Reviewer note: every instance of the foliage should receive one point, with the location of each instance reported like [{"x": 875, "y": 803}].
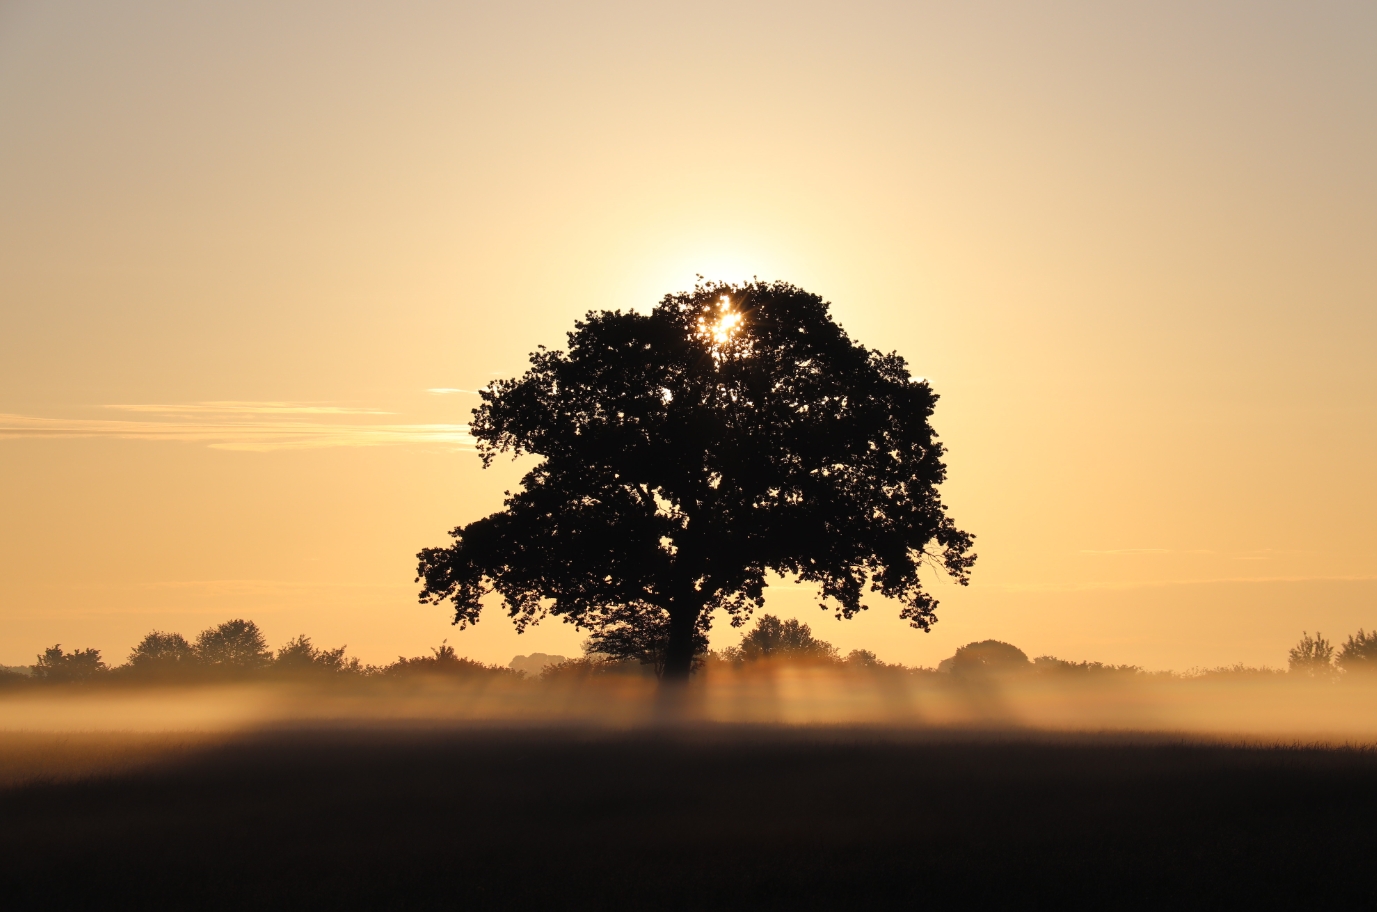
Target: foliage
[
  {"x": 685, "y": 453},
  {"x": 299, "y": 656},
  {"x": 1312, "y": 656},
  {"x": 444, "y": 661},
  {"x": 1359, "y": 652},
  {"x": 1054, "y": 665},
  {"x": 58, "y": 667},
  {"x": 162, "y": 653},
  {"x": 593, "y": 665},
  {"x": 985, "y": 657},
  {"x": 1236, "y": 671},
  {"x": 534, "y": 665},
  {"x": 642, "y": 636},
  {"x": 772, "y": 638},
  {"x": 236, "y": 645},
  {"x": 863, "y": 658}
]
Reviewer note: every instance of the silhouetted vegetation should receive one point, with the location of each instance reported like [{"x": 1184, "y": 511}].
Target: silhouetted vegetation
[
  {"x": 58, "y": 667},
  {"x": 234, "y": 646},
  {"x": 772, "y": 638},
  {"x": 987, "y": 657},
  {"x": 163, "y": 654},
  {"x": 1312, "y": 656},
  {"x": 236, "y": 650},
  {"x": 1359, "y": 653},
  {"x": 685, "y": 453},
  {"x": 444, "y": 661}
]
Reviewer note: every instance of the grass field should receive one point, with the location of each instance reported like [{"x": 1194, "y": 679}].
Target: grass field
[{"x": 709, "y": 816}]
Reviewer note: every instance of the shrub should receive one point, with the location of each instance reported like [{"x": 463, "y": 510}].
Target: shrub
[
  {"x": 595, "y": 664},
  {"x": 444, "y": 661},
  {"x": 1054, "y": 665}
]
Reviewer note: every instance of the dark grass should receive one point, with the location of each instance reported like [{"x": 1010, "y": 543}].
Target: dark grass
[{"x": 708, "y": 818}]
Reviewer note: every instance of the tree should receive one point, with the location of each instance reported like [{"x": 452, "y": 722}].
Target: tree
[
  {"x": 1359, "y": 652},
  {"x": 60, "y": 667},
  {"x": 1311, "y": 656},
  {"x": 685, "y": 453},
  {"x": 985, "y": 657},
  {"x": 300, "y": 655},
  {"x": 776, "y": 639},
  {"x": 236, "y": 645},
  {"x": 162, "y": 653}
]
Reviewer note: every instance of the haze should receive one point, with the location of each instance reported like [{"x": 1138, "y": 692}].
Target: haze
[{"x": 253, "y": 255}]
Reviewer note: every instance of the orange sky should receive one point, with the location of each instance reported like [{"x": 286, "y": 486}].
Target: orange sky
[{"x": 1133, "y": 248}]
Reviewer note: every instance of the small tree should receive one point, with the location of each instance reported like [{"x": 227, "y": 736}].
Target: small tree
[
  {"x": 775, "y": 639},
  {"x": 234, "y": 646},
  {"x": 58, "y": 667},
  {"x": 300, "y": 656},
  {"x": 1312, "y": 656},
  {"x": 1359, "y": 652},
  {"x": 863, "y": 658},
  {"x": 687, "y": 453},
  {"x": 162, "y": 653},
  {"x": 985, "y": 657}
]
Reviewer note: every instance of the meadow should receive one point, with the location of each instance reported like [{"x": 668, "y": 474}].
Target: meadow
[{"x": 703, "y": 816}]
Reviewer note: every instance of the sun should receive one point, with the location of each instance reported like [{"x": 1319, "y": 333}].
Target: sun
[{"x": 720, "y": 331}]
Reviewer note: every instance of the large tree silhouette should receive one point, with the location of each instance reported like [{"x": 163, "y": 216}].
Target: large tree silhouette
[{"x": 732, "y": 431}]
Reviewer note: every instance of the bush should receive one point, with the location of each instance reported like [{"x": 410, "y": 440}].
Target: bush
[
  {"x": 1054, "y": 665},
  {"x": 593, "y": 665},
  {"x": 444, "y": 661}
]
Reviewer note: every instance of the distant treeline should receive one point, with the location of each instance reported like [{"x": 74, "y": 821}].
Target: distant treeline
[{"x": 237, "y": 650}]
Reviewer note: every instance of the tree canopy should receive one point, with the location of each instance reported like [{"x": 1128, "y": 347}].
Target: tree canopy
[
  {"x": 685, "y": 453},
  {"x": 773, "y": 638}
]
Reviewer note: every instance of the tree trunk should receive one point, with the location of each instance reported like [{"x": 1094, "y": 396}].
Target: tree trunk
[{"x": 679, "y": 650}]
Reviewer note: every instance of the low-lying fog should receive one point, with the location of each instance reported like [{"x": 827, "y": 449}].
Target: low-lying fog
[{"x": 1238, "y": 704}]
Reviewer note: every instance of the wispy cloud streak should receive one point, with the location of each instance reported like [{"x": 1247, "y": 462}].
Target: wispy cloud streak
[
  {"x": 246, "y": 435},
  {"x": 236, "y": 407}
]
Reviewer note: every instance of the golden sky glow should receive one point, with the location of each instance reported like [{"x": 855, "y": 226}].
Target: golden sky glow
[{"x": 255, "y": 258}]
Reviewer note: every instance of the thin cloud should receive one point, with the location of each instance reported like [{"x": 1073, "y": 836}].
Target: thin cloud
[
  {"x": 236, "y": 407},
  {"x": 1146, "y": 551},
  {"x": 247, "y": 436},
  {"x": 1162, "y": 584}
]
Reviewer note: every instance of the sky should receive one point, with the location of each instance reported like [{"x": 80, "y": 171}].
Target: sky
[{"x": 254, "y": 258}]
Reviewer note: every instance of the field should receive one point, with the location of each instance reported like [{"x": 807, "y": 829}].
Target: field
[{"x": 687, "y": 817}]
